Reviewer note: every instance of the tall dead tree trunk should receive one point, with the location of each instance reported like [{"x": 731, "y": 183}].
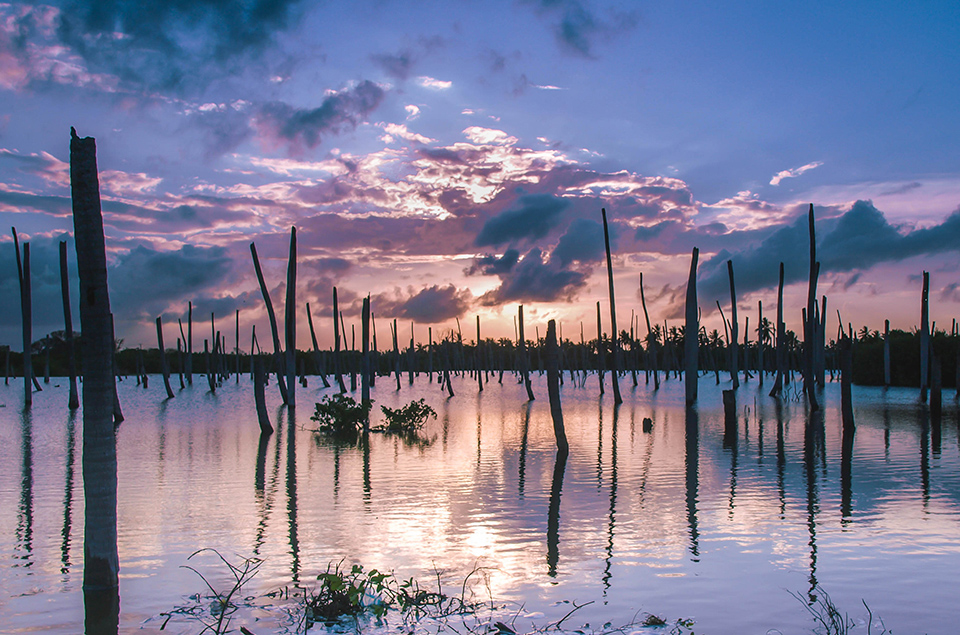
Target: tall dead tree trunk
[
  {"x": 809, "y": 340},
  {"x": 337, "y": 362},
  {"x": 615, "y": 335},
  {"x": 365, "y": 363},
  {"x": 524, "y": 361},
  {"x": 886, "y": 353},
  {"x": 651, "y": 343},
  {"x": 479, "y": 360},
  {"x": 101, "y": 562},
  {"x": 691, "y": 335},
  {"x": 164, "y": 368},
  {"x": 74, "y": 399},
  {"x": 734, "y": 331},
  {"x": 781, "y": 358},
  {"x": 189, "y": 343},
  {"x": 317, "y": 355},
  {"x": 290, "y": 322},
  {"x": 553, "y": 387},
  {"x": 26, "y": 314},
  {"x": 281, "y": 383},
  {"x": 924, "y": 336}
]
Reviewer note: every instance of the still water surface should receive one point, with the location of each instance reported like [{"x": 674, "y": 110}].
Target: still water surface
[{"x": 673, "y": 521}]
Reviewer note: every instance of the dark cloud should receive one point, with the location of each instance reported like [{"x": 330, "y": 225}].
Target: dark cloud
[
  {"x": 167, "y": 43},
  {"x": 221, "y": 131},
  {"x": 644, "y": 234},
  {"x": 427, "y": 306},
  {"x": 144, "y": 282},
  {"x": 857, "y": 240},
  {"x": 534, "y": 218},
  {"x": 344, "y": 109},
  {"x": 583, "y": 242},
  {"x": 534, "y": 279},
  {"x": 397, "y": 65},
  {"x": 492, "y": 265},
  {"x": 577, "y": 28}
]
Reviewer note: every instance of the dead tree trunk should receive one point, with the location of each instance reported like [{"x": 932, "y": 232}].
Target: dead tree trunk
[
  {"x": 808, "y": 327},
  {"x": 290, "y": 322},
  {"x": 886, "y": 353},
  {"x": 317, "y": 355},
  {"x": 189, "y": 344},
  {"x": 924, "y": 336},
  {"x": 365, "y": 363},
  {"x": 760, "y": 341},
  {"x": 26, "y": 314},
  {"x": 691, "y": 337},
  {"x": 651, "y": 343},
  {"x": 479, "y": 359},
  {"x": 781, "y": 342},
  {"x": 524, "y": 362},
  {"x": 273, "y": 323},
  {"x": 553, "y": 387},
  {"x": 734, "y": 331},
  {"x": 163, "y": 360},
  {"x": 74, "y": 399},
  {"x": 101, "y": 562},
  {"x": 615, "y": 338},
  {"x": 259, "y": 381},
  {"x": 337, "y": 362}
]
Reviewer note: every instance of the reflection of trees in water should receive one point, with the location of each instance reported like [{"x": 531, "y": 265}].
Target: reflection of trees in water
[
  {"x": 25, "y": 509},
  {"x": 292, "y": 489},
  {"x": 523, "y": 446},
  {"x": 68, "y": 493},
  {"x": 612, "y": 510},
  {"x": 692, "y": 475},
  {"x": 553, "y": 513},
  {"x": 813, "y": 451}
]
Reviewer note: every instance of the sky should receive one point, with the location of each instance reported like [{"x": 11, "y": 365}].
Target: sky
[{"x": 450, "y": 159}]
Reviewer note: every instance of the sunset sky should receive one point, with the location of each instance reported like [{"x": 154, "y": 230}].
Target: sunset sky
[{"x": 451, "y": 158}]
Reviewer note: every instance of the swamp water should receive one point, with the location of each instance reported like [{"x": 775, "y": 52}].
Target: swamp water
[{"x": 674, "y": 521}]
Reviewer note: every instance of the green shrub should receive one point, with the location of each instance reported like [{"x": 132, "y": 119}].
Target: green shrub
[
  {"x": 407, "y": 419},
  {"x": 340, "y": 414}
]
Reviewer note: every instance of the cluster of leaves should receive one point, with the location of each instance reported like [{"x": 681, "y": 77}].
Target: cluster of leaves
[
  {"x": 340, "y": 414},
  {"x": 407, "y": 419},
  {"x": 353, "y": 592}
]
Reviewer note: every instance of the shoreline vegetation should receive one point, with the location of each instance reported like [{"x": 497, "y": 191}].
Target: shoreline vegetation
[
  {"x": 51, "y": 358},
  {"x": 350, "y": 598}
]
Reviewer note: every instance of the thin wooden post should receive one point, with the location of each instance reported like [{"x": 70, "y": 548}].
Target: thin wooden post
[
  {"x": 808, "y": 328},
  {"x": 615, "y": 334},
  {"x": 691, "y": 340},
  {"x": 734, "y": 331},
  {"x": 163, "y": 360},
  {"x": 651, "y": 342},
  {"x": 290, "y": 321},
  {"x": 553, "y": 387},
  {"x": 781, "y": 342},
  {"x": 26, "y": 314},
  {"x": 337, "y": 362},
  {"x": 924, "y": 336},
  {"x": 74, "y": 399},
  {"x": 524, "y": 362},
  {"x": 365, "y": 363},
  {"x": 101, "y": 562}
]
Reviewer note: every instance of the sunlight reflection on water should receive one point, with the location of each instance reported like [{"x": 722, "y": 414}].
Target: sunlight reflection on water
[{"x": 672, "y": 521}]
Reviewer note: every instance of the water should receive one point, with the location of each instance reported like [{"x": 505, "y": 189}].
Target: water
[{"x": 671, "y": 522}]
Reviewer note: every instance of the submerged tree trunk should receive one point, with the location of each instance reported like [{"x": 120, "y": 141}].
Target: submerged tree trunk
[
  {"x": 809, "y": 340},
  {"x": 101, "y": 562},
  {"x": 317, "y": 355},
  {"x": 365, "y": 363},
  {"x": 601, "y": 350},
  {"x": 163, "y": 360},
  {"x": 886, "y": 353},
  {"x": 290, "y": 322},
  {"x": 651, "y": 344},
  {"x": 524, "y": 362},
  {"x": 691, "y": 333},
  {"x": 781, "y": 342},
  {"x": 615, "y": 337},
  {"x": 273, "y": 324},
  {"x": 189, "y": 343},
  {"x": 553, "y": 387},
  {"x": 924, "y": 336},
  {"x": 734, "y": 331},
  {"x": 337, "y": 362},
  {"x": 26, "y": 313},
  {"x": 74, "y": 399}
]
